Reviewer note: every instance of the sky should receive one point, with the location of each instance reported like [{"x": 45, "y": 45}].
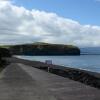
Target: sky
[
  {"x": 84, "y": 11},
  {"x": 73, "y": 22}
]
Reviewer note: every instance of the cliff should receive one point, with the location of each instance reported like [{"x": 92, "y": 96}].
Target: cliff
[{"x": 44, "y": 49}]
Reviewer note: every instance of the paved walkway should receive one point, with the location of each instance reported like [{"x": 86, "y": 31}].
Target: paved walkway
[
  {"x": 16, "y": 84},
  {"x": 21, "y": 82}
]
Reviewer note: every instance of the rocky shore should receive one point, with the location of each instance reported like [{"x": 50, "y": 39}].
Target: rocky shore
[
  {"x": 78, "y": 75},
  {"x": 86, "y": 77}
]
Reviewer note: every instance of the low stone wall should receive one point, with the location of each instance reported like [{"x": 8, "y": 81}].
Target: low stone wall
[{"x": 86, "y": 77}]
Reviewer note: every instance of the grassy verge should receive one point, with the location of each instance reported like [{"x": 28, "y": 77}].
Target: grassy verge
[
  {"x": 1, "y": 68},
  {"x": 2, "y": 65}
]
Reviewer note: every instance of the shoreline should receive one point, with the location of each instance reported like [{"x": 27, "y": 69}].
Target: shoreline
[{"x": 83, "y": 76}]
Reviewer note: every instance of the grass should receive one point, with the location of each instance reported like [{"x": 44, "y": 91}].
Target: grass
[{"x": 1, "y": 68}]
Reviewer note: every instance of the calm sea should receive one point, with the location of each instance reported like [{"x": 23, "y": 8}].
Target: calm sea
[{"x": 86, "y": 62}]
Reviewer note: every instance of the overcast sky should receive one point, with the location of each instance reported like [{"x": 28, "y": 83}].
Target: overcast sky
[{"x": 65, "y": 22}]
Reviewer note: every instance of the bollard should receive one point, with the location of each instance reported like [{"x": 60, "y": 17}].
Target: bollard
[{"x": 49, "y": 62}]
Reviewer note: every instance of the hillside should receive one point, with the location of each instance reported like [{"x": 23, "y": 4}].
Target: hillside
[{"x": 39, "y": 48}]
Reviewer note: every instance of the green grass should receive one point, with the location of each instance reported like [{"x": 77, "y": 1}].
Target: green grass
[
  {"x": 4, "y": 46},
  {"x": 1, "y": 68}
]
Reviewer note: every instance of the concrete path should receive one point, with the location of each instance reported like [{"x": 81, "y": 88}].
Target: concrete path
[
  {"x": 21, "y": 82},
  {"x": 16, "y": 84}
]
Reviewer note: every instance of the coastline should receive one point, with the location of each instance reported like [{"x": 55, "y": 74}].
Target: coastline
[{"x": 83, "y": 76}]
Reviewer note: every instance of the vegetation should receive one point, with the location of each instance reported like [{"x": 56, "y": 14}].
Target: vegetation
[
  {"x": 3, "y": 53},
  {"x": 39, "y": 48}
]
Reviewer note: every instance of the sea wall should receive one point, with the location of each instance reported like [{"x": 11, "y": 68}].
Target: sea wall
[{"x": 83, "y": 76}]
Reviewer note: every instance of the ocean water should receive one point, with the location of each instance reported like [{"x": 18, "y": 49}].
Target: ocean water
[{"x": 85, "y": 62}]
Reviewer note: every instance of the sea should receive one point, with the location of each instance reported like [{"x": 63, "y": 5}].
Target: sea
[{"x": 84, "y": 62}]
